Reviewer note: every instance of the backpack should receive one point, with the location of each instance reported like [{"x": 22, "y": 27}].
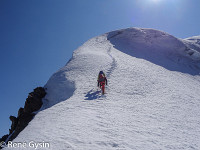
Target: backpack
[{"x": 101, "y": 78}]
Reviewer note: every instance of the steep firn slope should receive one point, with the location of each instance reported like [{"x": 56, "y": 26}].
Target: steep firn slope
[{"x": 152, "y": 99}]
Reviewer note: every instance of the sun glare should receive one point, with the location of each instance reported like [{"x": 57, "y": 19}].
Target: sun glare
[{"x": 155, "y": 0}]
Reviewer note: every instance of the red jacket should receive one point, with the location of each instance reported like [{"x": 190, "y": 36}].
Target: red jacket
[{"x": 102, "y": 80}]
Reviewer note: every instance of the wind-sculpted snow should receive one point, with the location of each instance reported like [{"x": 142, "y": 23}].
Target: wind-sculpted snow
[
  {"x": 193, "y": 44},
  {"x": 157, "y": 47},
  {"x": 195, "y": 40},
  {"x": 151, "y": 102},
  {"x": 59, "y": 88},
  {"x": 86, "y": 62}
]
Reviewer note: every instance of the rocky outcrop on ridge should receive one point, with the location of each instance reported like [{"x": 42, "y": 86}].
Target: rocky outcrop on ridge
[{"x": 32, "y": 104}]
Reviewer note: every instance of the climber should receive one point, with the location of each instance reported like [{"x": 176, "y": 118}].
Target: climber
[{"x": 102, "y": 81}]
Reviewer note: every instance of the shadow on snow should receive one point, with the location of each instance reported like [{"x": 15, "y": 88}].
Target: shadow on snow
[
  {"x": 156, "y": 48},
  {"x": 92, "y": 95}
]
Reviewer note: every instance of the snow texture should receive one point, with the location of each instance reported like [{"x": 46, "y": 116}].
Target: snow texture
[{"x": 152, "y": 99}]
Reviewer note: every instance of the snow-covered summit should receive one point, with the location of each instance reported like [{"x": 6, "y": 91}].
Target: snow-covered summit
[
  {"x": 194, "y": 44},
  {"x": 195, "y": 39},
  {"x": 151, "y": 102},
  {"x": 157, "y": 47}
]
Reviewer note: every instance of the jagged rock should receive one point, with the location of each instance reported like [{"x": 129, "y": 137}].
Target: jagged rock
[
  {"x": 14, "y": 123},
  {"x": 40, "y": 91},
  {"x": 3, "y": 139},
  {"x": 23, "y": 121},
  {"x": 25, "y": 115},
  {"x": 34, "y": 100},
  {"x": 32, "y": 104},
  {"x": 20, "y": 112}
]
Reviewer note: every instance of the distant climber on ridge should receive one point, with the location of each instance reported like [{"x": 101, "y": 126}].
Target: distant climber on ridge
[{"x": 102, "y": 80}]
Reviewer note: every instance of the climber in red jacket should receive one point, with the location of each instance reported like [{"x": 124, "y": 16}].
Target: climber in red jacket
[{"x": 102, "y": 80}]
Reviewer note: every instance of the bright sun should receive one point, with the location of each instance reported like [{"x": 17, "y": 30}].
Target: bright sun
[{"x": 155, "y": 0}]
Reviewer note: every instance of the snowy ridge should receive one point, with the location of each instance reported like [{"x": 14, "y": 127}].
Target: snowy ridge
[
  {"x": 193, "y": 47},
  {"x": 194, "y": 40},
  {"x": 151, "y": 102}
]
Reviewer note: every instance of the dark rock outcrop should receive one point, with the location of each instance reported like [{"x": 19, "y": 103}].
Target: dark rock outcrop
[
  {"x": 20, "y": 112},
  {"x": 23, "y": 121},
  {"x": 14, "y": 123},
  {"x": 25, "y": 115},
  {"x": 34, "y": 102},
  {"x": 2, "y": 140}
]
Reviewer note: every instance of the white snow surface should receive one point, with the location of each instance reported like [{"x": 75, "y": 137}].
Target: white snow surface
[{"x": 152, "y": 99}]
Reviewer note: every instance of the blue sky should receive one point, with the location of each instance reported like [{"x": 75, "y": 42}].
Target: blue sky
[{"x": 37, "y": 37}]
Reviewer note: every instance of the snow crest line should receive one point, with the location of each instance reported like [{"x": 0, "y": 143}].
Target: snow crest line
[
  {"x": 94, "y": 94},
  {"x": 113, "y": 64}
]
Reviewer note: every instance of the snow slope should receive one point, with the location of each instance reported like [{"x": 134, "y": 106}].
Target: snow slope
[
  {"x": 193, "y": 44},
  {"x": 194, "y": 41},
  {"x": 152, "y": 99}
]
